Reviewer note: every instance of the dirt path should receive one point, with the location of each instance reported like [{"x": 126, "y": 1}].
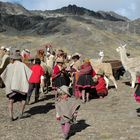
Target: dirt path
[{"x": 111, "y": 118}]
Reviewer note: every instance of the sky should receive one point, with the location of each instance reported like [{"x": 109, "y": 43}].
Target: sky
[{"x": 128, "y": 8}]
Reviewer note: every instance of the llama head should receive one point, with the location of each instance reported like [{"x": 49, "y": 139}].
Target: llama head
[
  {"x": 101, "y": 53},
  {"x": 123, "y": 46},
  {"x": 118, "y": 49}
]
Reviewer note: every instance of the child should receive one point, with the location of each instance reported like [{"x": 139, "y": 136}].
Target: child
[
  {"x": 66, "y": 109},
  {"x": 100, "y": 84}
]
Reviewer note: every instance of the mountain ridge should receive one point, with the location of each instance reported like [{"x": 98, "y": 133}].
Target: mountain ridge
[
  {"x": 17, "y": 9},
  {"x": 75, "y": 32},
  {"x": 75, "y": 10}
]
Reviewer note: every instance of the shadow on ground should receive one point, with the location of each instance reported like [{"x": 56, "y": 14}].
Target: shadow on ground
[
  {"x": 41, "y": 109},
  {"x": 138, "y": 112},
  {"x": 127, "y": 83},
  {"x": 78, "y": 127},
  {"x": 110, "y": 87},
  {"x": 46, "y": 97}
]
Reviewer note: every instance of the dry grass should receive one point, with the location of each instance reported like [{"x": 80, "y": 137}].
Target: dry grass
[{"x": 84, "y": 38}]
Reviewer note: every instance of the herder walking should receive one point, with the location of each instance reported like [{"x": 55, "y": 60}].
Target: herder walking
[{"x": 15, "y": 78}]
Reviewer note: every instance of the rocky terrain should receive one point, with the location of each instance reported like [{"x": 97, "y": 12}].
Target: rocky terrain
[
  {"x": 71, "y": 28},
  {"x": 113, "y": 118},
  {"x": 74, "y": 29}
]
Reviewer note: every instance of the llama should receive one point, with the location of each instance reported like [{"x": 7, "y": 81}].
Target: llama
[
  {"x": 107, "y": 68},
  {"x": 132, "y": 65},
  {"x": 100, "y": 59}
]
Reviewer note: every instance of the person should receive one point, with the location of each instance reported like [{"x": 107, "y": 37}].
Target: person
[
  {"x": 49, "y": 60},
  {"x": 5, "y": 59},
  {"x": 75, "y": 67},
  {"x": 15, "y": 78},
  {"x": 58, "y": 75},
  {"x": 100, "y": 86},
  {"x": 26, "y": 56},
  {"x": 85, "y": 82},
  {"x": 35, "y": 80},
  {"x": 76, "y": 61},
  {"x": 137, "y": 91},
  {"x": 2, "y": 52},
  {"x": 66, "y": 109}
]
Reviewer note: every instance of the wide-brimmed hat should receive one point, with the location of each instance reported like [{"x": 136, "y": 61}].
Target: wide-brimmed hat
[
  {"x": 59, "y": 60},
  {"x": 63, "y": 90},
  {"x": 2, "y": 47},
  {"x": 100, "y": 72},
  {"x": 8, "y": 49},
  {"x": 86, "y": 60},
  {"x": 76, "y": 54},
  {"x": 15, "y": 56}
]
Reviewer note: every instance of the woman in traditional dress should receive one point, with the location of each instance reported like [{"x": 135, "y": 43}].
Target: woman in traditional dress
[
  {"x": 100, "y": 86},
  {"x": 85, "y": 81},
  {"x": 58, "y": 75},
  {"x": 75, "y": 67}
]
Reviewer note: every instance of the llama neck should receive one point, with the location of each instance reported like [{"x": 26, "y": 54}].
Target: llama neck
[
  {"x": 123, "y": 56},
  {"x": 101, "y": 58}
]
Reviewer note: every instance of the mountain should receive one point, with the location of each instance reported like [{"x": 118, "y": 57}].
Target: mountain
[
  {"x": 15, "y": 16},
  {"x": 72, "y": 28},
  {"x": 75, "y": 10},
  {"x": 13, "y": 9}
]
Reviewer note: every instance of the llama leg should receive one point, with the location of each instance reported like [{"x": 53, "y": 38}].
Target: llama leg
[
  {"x": 133, "y": 76},
  {"x": 111, "y": 77},
  {"x": 106, "y": 81}
]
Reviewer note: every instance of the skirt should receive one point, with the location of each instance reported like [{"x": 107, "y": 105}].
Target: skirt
[
  {"x": 17, "y": 97},
  {"x": 85, "y": 81},
  {"x": 59, "y": 81}
]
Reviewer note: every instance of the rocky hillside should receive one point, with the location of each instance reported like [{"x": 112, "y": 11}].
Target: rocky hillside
[
  {"x": 13, "y": 9},
  {"x": 71, "y": 28},
  {"x": 75, "y": 10},
  {"x": 17, "y": 17}
]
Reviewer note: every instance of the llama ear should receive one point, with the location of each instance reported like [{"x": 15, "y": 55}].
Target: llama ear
[{"x": 124, "y": 46}]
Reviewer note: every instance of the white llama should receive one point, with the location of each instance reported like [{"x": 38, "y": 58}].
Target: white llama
[
  {"x": 100, "y": 59},
  {"x": 132, "y": 65}
]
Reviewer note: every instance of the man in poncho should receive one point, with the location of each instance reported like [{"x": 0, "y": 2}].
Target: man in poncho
[{"x": 15, "y": 78}]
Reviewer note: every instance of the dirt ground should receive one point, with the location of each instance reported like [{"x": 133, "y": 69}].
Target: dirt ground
[{"x": 112, "y": 118}]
